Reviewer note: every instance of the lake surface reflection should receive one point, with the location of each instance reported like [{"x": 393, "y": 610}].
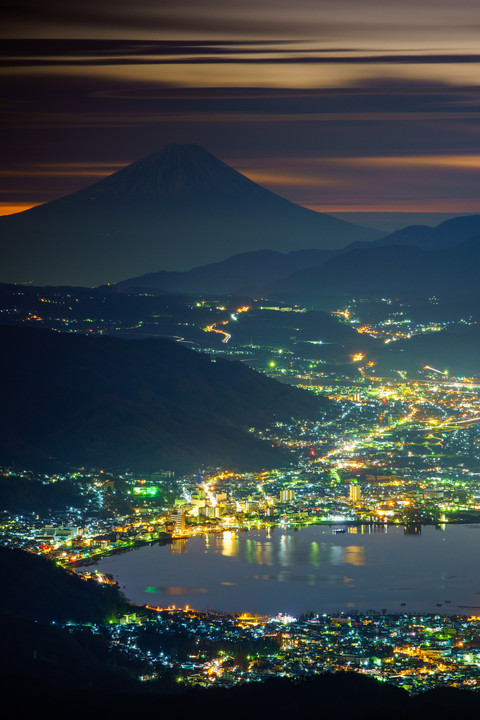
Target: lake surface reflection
[{"x": 314, "y": 568}]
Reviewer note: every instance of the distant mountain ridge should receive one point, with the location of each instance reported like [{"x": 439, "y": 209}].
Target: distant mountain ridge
[
  {"x": 235, "y": 275},
  {"x": 255, "y": 272},
  {"x": 446, "y": 234},
  {"x": 391, "y": 270},
  {"x": 178, "y": 208}
]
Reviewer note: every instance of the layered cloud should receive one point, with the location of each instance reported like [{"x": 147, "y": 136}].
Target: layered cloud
[
  {"x": 372, "y": 21},
  {"x": 371, "y": 105}
]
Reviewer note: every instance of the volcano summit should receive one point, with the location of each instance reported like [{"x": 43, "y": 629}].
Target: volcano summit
[{"x": 173, "y": 210}]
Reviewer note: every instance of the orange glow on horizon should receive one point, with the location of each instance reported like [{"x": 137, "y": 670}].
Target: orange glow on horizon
[
  {"x": 13, "y": 208},
  {"x": 455, "y": 205}
]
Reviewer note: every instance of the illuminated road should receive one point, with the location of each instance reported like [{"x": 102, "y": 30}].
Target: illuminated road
[
  {"x": 214, "y": 326},
  {"x": 451, "y": 424},
  {"x": 465, "y": 421},
  {"x": 215, "y": 329}
]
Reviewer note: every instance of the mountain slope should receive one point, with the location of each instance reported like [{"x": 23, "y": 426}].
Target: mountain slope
[
  {"x": 40, "y": 590},
  {"x": 178, "y": 208},
  {"x": 105, "y": 402},
  {"x": 447, "y": 234},
  {"x": 389, "y": 271},
  {"x": 234, "y": 275},
  {"x": 248, "y": 272}
]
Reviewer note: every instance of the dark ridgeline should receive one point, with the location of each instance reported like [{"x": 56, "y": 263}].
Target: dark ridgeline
[
  {"x": 149, "y": 404},
  {"x": 346, "y": 270},
  {"x": 103, "y": 692},
  {"x": 388, "y": 271},
  {"x": 177, "y": 208},
  {"x": 446, "y": 234},
  {"x": 241, "y": 274}
]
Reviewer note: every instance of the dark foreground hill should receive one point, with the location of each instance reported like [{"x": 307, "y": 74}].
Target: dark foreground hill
[
  {"x": 105, "y": 402},
  {"x": 36, "y": 589},
  {"x": 175, "y": 209},
  {"x": 342, "y": 696},
  {"x": 37, "y": 599}
]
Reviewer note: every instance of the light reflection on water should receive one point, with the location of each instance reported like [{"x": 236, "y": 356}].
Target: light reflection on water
[
  {"x": 312, "y": 569},
  {"x": 288, "y": 551}
]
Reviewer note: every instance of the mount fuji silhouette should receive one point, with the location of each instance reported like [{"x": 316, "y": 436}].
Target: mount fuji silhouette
[{"x": 173, "y": 210}]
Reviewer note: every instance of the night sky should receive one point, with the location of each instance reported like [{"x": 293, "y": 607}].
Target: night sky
[{"x": 346, "y": 106}]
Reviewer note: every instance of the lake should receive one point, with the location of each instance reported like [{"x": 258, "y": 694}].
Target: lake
[{"x": 314, "y": 568}]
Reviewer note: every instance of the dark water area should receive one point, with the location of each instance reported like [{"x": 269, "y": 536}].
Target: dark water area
[{"x": 314, "y": 568}]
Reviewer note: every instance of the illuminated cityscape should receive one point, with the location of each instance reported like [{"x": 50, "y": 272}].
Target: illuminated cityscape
[
  {"x": 388, "y": 451},
  {"x": 239, "y": 369},
  {"x": 413, "y": 652}
]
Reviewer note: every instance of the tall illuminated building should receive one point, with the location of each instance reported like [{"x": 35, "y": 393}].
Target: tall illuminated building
[
  {"x": 287, "y": 495},
  {"x": 179, "y": 520},
  {"x": 354, "y": 493}
]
